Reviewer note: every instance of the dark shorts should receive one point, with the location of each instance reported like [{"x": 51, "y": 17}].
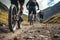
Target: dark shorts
[
  {"x": 21, "y": 1},
  {"x": 32, "y": 10}
]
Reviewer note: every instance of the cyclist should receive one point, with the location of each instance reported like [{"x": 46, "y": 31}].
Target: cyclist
[
  {"x": 31, "y": 7},
  {"x": 20, "y": 11},
  {"x": 21, "y": 2}
]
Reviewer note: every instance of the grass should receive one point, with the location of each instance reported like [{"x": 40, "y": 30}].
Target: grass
[
  {"x": 4, "y": 17},
  {"x": 25, "y": 19},
  {"x": 53, "y": 19}
]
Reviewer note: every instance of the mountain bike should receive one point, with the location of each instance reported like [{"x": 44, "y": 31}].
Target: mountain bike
[
  {"x": 13, "y": 18},
  {"x": 32, "y": 18}
]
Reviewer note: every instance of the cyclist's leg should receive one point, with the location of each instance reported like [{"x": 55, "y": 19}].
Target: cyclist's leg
[
  {"x": 34, "y": 13},
  {"x": 21, "y": 11},
  {"x": 29, "y": 15},
  {"x": 21, "y": 6}
]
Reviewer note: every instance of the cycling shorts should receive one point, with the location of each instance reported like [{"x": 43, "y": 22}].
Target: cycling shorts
[{"x": 32, "y": 10}]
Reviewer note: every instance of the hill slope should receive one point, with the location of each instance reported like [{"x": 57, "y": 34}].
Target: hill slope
[
  {"x": 3, "y": 14},
  {"x": 2, "y": 6},
  {"x": 52, "y": 14}
]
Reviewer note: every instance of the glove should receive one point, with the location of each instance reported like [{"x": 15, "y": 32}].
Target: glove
[{"x": 38, "y": 8}]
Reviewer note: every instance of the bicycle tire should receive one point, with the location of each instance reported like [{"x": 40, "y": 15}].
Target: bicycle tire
[
  {"x": 10, "y": 19},
  {"x": 31, "y": 21}
]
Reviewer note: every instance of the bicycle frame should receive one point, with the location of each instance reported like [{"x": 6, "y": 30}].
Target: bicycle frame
[{"x": 32, "y": 17}]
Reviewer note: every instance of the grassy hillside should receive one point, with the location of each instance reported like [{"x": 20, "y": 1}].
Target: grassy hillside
[
  {"x": 3, "y": 14},
  {"x": 51, "y": 14},
  {"x": 25, "y": 19},
  {"x": 4, "y": 17},
  {"x": 2, "y": 6},
  {"x": 54, "y": 19}
]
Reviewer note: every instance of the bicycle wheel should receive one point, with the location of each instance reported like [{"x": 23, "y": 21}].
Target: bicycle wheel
[
  {"x": 12, "y": 19},
  {"x": 31, "y": 20}
]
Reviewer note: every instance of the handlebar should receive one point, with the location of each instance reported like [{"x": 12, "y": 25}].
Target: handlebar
[{"x": 37, "y": 11}]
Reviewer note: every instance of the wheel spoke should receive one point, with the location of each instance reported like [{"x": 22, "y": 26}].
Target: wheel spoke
[{"x": 12, "y": 19}]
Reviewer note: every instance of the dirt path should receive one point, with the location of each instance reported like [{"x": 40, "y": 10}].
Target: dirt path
[
  {"x": 34, "y": 32},
  {"x": 5, "y": 34}
]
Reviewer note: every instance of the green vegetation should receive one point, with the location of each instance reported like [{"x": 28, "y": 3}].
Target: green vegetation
[{"x": 4, "y": 17}]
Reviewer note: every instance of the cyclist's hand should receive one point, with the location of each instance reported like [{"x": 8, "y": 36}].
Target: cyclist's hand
[{"x": 38, "y": 8}]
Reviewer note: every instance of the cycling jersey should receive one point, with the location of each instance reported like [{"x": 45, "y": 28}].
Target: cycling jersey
[{"x": 32, "y": 4}]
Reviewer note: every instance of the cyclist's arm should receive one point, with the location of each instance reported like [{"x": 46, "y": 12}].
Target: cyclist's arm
[
  {"x": 37, "y": 5},
  {"x": 27, "y": 4}
]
